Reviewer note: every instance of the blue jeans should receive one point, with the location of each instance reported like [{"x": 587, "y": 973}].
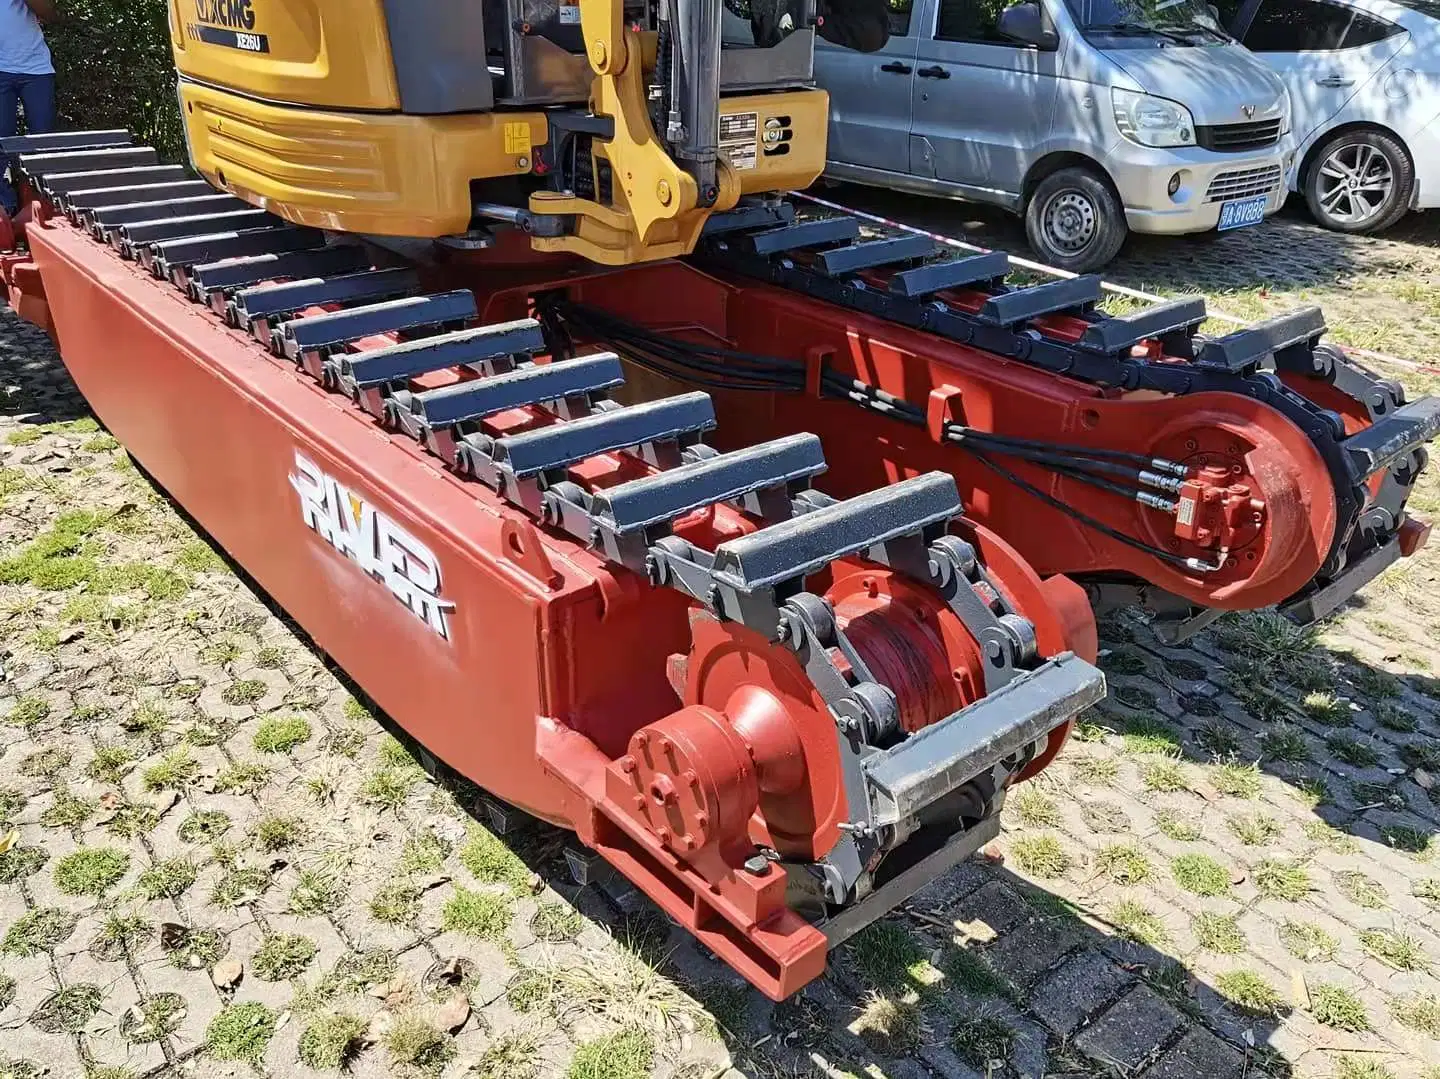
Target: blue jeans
[{"x": 37, "y": 94}]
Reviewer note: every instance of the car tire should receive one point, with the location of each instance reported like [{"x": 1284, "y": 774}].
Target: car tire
[
  {"x": 1074, "y": 220},
  {"x": 1349, "y": 204}
]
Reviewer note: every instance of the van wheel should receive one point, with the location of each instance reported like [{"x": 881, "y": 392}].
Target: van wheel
[
  {"x": 1075, "y": 221},
  {"x": 1359, "y": 181}
]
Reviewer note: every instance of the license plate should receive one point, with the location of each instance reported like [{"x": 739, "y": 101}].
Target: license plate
[{"x": 1238, "y": 213}]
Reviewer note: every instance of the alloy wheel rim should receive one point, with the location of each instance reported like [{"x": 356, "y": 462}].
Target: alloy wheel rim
[{"x": 1354, "y": 183}]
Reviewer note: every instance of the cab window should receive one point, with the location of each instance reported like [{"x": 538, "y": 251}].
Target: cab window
[
  {"x": 1312, "y": 26},
  {"x": 972, "y": 20}
]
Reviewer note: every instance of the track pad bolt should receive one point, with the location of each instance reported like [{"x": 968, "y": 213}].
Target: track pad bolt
[
  {"x": 662, "y": 192},
  {"x": 627, "y": 764}
]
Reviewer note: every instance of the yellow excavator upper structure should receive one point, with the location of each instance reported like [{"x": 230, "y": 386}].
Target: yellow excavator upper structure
[{"x": 611, "y": 129}]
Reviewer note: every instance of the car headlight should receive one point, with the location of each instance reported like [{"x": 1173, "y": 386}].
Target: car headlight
[
  {"x": 1285, "y": 109},
  {"x": 1152, "y": 121}
]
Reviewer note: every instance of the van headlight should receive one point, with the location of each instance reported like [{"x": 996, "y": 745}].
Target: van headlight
[
  {"x": 1285, "y": 107},
  {"x": 1152, "y": 121}
]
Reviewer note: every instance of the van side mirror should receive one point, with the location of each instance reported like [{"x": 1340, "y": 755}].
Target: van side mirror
[
  {"x": 1215, "y": 14},
  {"x": 1026, "y": 22}
]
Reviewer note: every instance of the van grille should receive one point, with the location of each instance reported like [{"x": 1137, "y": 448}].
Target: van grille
[
  {"x": 1236, "y": 138},
  {"x": 1243, "y": 183}
]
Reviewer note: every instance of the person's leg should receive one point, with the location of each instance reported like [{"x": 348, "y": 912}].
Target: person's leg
[
  {"x": 37, "y": 94},
  {"x": 9, "y": 125}
]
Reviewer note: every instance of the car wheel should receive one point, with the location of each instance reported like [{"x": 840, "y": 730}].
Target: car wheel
[
  {"x": 1075, "y": 221},
  {"x": 1359, "y": 181}
]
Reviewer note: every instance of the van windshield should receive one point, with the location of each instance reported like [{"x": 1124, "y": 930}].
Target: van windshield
[{"x": 1181, "y": 22}]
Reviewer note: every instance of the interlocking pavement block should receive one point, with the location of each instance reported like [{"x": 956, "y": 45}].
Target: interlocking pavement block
[
  {"x": 1198, "y": 1055},
  {"x": 1132, "y": 1030},
  {"x": 1077, "y": 990},
  {"x": 1027, "y": 951}
]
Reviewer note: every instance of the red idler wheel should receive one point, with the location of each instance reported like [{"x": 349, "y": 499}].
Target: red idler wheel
[{"x": 763, "y": 692}]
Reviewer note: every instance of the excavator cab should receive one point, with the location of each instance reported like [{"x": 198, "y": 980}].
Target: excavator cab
[{"x": 610, "y": 129}]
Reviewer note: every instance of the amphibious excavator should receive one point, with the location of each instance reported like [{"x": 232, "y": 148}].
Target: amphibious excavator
[{"x": 759, "y": 548}]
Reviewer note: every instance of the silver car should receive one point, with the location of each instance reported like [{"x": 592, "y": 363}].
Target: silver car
[{"x": 1089, "y": 117}]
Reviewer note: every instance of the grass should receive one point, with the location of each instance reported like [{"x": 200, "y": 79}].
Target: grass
[
  {"x": 1177, "y": 826},
  {"x": 176, "y": 769},
  {"x": 1418, "y": 1011},
  {"x": 193, "y": 949},
  {"x": 240, "y": 886},
  {"x": 982, "y": 1040},
  {"x": 1249, "y": 992},
  {"x": 1353, "y": 1066},
  {"x": 414, "y": 1043},
  {"x": 283, "y": 956},
  {"x": 38, "y": 930},
  {"x": 1236, "y": 779},
  {"x": 425, "y": 853},
  {"x": 970, "y": 972},
  {"x": 1218, "y": 933},
  {"x": 1148, "y": 734},
  {"x": 1308, "y": 941},
  {"x": 1041, "y": 856},
  {"x": 331, "y": 1041},
  {"x": 1329, "y": 837},
  {"x": 120, "y": 935},
  {"x": 1395, "y": 949},
  {"x": 388, "y": 787},
  {"x": 1139, "y": 923},
  {"x": 243, "y": 777},
  {"x": 885, "y": 953},
  {"x": 1285, "y": 743},
  {"x": 91, "y": 870},
  {"x": 69, "y": 1010},
  {"x": 281, "y": 734},
  {"x": 155, "y": 1019},
  {"x": 1282, "y": 879},
  {"x": 556, "y": 922},
  {"x": 1428, "y": 889},
  {"x": 1201, "y": 874},
  {"x": 66, "y": 810},
  {"x": 241, "y": 1032},
  {"x": 1352, "y": 750},
  {"x": 316, "y": 893},
  {"x": 483, "y": 915},
  {"x": 204, "y": 826},
  {"x": 1124, "y": 863},
  {"x": 275, "y": 832},
  {"x": 46, "y": 763},
  {"x": 1254, "y": 829},
  {"x": 17, "y": 863},
  {"x": 1035, "y": 808},
  {"x": 1394, "y": 718},
  {"x": 1362, "y": 890},
  {"x": 889, "y": 1025},
  {"x": 110, "y": 763},
  {"x": 243, "y": 692},
  {"x": 489, "y": 860},
  {"x": 396, "y": 904},
  {"x": 1324, "y": 707},
  {"x": 28, "y": 712},
  {"x": 627, "y": 1054},
  {"x": 167, "y": 879},
  {"x": 1338, "y": 1007},
  {"x": 510, "y": 1056},
  {"x": 1409, "y": 840},
  {"x": 529, "y": 989},
  {"x": 1097, "y": 771},
  {"x": 1165, "y": 775}
]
